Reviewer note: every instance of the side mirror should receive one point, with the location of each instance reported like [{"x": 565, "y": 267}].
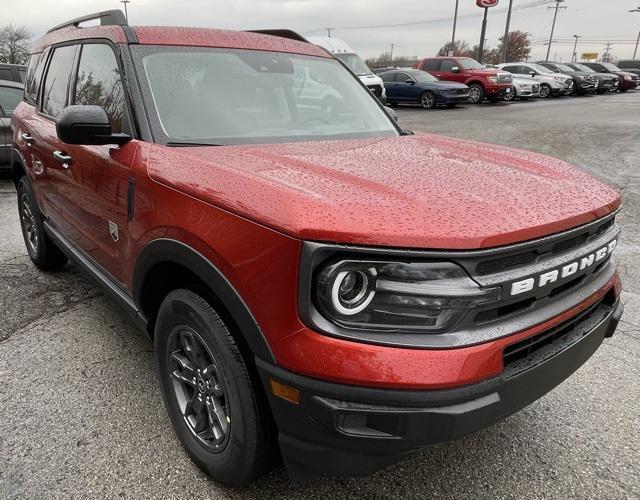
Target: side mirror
[
  {"x": 410, "y": 80},
  {"x": 392, "y": 113},
  {"x": 87, "y": 125},
  {"x": 455, "y": 69}
]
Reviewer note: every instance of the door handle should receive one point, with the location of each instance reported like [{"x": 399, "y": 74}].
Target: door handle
[
  {"x": 27, "y": 138},
  {"x": 63, "y": 158}
]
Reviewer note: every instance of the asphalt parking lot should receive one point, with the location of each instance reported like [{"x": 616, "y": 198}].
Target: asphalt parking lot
[{"x": 81, "y": 414}]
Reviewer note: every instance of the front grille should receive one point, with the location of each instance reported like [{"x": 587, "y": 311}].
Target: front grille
[
  {"x": 376, "y": 89},
  {"x": 534, "y": 350}
]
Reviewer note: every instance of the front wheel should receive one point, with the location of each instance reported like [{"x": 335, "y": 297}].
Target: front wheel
[
  {"x": 215, "y": 405},
  {"x": 511, "y": 95},
  {"x": 428, "y": 100},
  {"x": 545, "y": 91},
  {"x": 476, "y": 93}
]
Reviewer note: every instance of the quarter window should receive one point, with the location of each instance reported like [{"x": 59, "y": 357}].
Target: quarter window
[
  {"x": 54, "y": 96},
  {"x": 99, "y": 83},
  {"x": 34, "y": 75}
]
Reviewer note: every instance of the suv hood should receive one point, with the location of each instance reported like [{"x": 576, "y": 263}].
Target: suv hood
[
  {"x": 423, "y": 191},
  {"x": 482, "y": 72}
]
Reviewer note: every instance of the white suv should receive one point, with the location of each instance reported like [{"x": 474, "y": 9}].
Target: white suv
[{"x": 551, "y": 84}]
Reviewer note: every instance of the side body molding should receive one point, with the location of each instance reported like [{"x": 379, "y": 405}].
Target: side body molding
[{"x": 166, "y": 250}]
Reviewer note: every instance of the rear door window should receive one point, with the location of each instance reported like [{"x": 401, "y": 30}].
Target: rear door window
[
  {"x": 432, "y": 65},
  {"x": 56, "y": 83},
  {"x": 98, "y": 82}
]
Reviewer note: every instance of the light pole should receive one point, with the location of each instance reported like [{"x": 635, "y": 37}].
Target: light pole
[
  {"x": 635, "y": 52},
  {"x": 455, "y": 23},
  {"x": 575, "y": 48},
  {"x": 505, "y": 40},
  {"x": 126, "y": 14},
  {"x": 391, "y": 57},
  {"x": 553, "y": 26},
  {"x": 482, "y": 35}
]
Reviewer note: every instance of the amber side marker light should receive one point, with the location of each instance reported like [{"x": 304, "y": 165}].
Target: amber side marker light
[{"x": 285, "y": 392}]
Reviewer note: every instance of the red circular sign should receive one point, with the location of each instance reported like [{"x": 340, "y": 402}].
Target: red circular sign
[{"x": 486, "y": 3}]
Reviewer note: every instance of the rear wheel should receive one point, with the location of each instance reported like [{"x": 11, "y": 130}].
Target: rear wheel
[
  {"x": 545, "y": 91},
  {"x": 476, "y": 93},
  {"x": 428, "y": 100},
  {"x": 214, "y": 403},
  {"x": 42, "y": 251}
]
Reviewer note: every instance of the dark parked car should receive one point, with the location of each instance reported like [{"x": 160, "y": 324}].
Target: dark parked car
[
  {"x": 416, "y": 86},
  {"x": 607, "y": 82},
  {"x": 10, "y": 95},
  {"x": 13, "y": 72},
  {"x": 630, "y": 65},
  {"x": 583, "y": 82},
  {"x": 628, "y": 81}
]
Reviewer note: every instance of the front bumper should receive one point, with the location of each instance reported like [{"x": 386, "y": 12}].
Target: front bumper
[{"x": 345, "y": 430}]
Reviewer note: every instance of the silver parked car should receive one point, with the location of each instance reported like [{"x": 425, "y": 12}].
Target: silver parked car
[
  {"x": 10, "y": 95},
  {"x": 551, "y": 84},
  {"x": 523, "y": 88}
]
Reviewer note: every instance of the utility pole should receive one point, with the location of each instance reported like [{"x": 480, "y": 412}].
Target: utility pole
[
  {"x": 455, "y": 24},
  {"x": 505, "y": 40},
  {"x": 575, "y": 48},
  {"x": 553, "y": 26},
  {"x": 482, "y": 35},
  {"x": 126, "y": 14},
  {"x": 635, "y": 52},
  {"x": 329, "y": 30},
  {"x": 606, "y": 57},
  {"x": 392, "y": 46}
]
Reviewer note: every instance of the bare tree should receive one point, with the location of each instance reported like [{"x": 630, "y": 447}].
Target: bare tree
[
  {"x": 14, "y": 44},
  {"x": 459, "y": 48}
]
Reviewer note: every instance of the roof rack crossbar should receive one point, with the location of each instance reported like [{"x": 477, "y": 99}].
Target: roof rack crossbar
[
  {"x": 282, "y": 33},
  {"x": 107, "y": 18}
]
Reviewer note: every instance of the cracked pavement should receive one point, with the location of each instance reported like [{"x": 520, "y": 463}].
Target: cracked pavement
[{"x": 81, "y": 414}]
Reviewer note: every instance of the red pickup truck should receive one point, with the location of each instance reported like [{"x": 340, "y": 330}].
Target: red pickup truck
[
  {"x": 318, "y": 283},
  {"x": 483, "y": 83}
]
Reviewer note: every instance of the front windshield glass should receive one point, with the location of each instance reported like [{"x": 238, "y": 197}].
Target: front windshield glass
[
  {"x": 541, "y": 69},
  {"x": 232, "y": 96},
  {"x": 423, "y": 76},
  {"x": 582, "y": 67},
  {"x": 611, "y": 67},
  {"x": 354, "y": 63},
  {"x": 468, "y": 63},
  {"x": 565, "y": 69}
]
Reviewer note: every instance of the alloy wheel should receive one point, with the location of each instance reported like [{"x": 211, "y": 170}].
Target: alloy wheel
[
  {"x": 199, "y": 388},
  {"x": 544, "y": 91},
  {"x": 427, "y": 100},
  {"x": 28, "y": 220},
  {"x": 474, "y": 95}
]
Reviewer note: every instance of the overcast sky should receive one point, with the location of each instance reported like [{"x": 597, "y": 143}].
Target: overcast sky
[{"x": 594, "y": 19}]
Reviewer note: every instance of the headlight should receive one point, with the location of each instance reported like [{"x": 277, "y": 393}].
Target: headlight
[
  {"x": 425, "y": 297},
  {"x": 627, "y": 77},
  {"x": 493, "y": 79}
]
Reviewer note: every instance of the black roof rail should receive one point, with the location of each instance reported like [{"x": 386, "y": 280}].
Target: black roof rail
[
  {"x": 291, "y": 35},
  {"x": 107, "y": 18}
]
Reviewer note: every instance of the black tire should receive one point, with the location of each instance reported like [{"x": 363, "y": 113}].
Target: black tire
[
  {"x": 428, "y": 100},
  {"x": 623, "y": 90},
  {"x": 511, "y": 95},
  {"x": 226, "y": 392},
  {"x": 545, "y": 91},
  {"x": 476, "y": 93},
  {"x": 42, "y": 251}
]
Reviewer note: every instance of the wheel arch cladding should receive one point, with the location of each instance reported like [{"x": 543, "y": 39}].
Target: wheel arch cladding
[{"x": 166, "y": 264}]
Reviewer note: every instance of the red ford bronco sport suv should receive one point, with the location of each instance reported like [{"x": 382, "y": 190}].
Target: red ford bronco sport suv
[
  {"x": 318, "y": 284},
  {"x": 483, "y": 82}
]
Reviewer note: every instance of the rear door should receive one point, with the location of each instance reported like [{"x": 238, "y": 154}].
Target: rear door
[
  {"x": 432, "y": 66},
  {"x": 390, "y": 86}
]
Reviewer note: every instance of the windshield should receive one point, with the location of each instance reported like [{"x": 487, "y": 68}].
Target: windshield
[
  {"x": 610, "y": 67},
  {"x": 468, "y": 63},
  {"x": 423, "y": 76},
  {"x": 232, "y": 96},
  {"x": 354, "y": 63},
  {"x": 582, "y": 67},
  {"x": 565, "y": 69},
  {"x": 541, "y": 69}
]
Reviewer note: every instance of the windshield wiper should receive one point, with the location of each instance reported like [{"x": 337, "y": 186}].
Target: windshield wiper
[{"x": 176, "y": 144}]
